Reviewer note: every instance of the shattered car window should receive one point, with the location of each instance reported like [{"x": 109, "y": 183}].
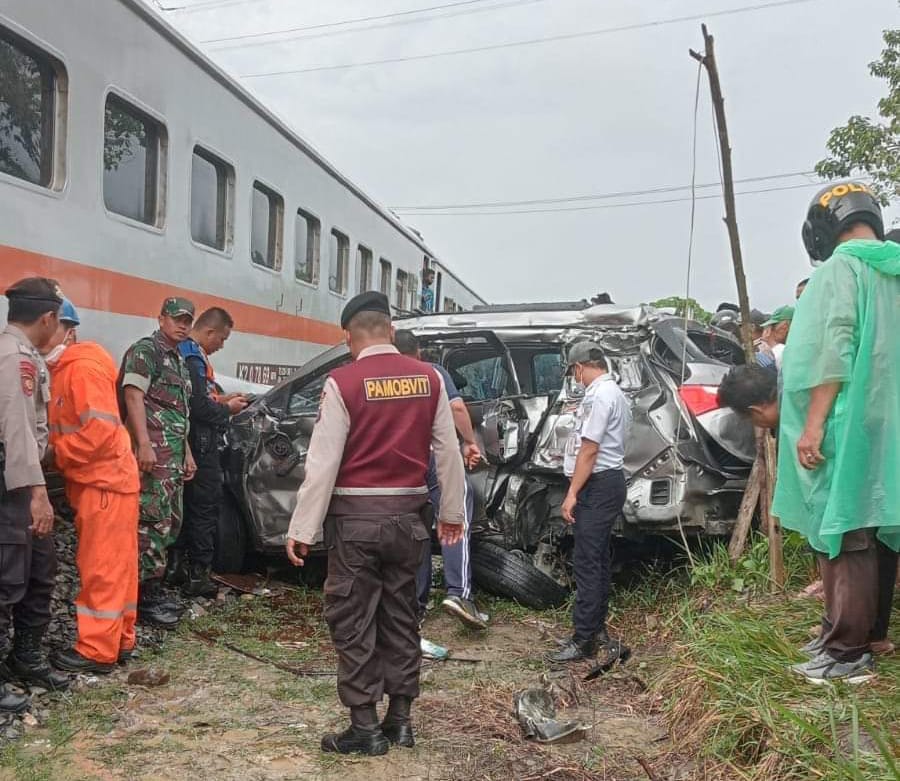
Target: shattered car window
[
  {"x": 547, "y": 369},
  {"x": 304, "y": 398},
  {"x": 483, "y": 378}
]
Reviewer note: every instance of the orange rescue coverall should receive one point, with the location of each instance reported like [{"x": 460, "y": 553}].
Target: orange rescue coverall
[{"x": 93, "y": 452}]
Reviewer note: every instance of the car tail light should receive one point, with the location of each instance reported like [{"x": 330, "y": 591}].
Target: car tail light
[{"x": 699, "y": 398}]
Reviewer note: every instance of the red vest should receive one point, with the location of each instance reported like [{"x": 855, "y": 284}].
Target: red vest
[{"x": 391, "y": 400}]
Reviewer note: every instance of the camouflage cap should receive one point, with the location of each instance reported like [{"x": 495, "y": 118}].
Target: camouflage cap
[{"x": 177, "y": 307}]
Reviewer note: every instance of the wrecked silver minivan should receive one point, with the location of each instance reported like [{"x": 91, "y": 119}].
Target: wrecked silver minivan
[{"x": 687, "y": 460}]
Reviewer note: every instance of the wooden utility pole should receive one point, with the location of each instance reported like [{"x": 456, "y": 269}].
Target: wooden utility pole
[
  {"x": 761, "y": 483},
  {"x": 708, "y": 60}
]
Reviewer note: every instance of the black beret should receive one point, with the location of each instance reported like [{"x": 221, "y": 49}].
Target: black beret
[{"x": 372, "y": 301}]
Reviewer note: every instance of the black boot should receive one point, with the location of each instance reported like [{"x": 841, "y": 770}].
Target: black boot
[
  {"x": 363, "y": 736},
  {"x": 154, "y": 608},
  {"x": 574, "y": 651},
  {"x": 198, "y": 583},
  {"x": 10, "y": 702},
  {"x": 29, "y": 664},
  {"x": 396, "y": 726},
  {"x": 176, "y": 567},
  {"x": 73, "y": 662}
]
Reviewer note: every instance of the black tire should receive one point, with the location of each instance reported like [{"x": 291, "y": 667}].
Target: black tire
[
  {"x": 231, "y": 538},
  {"x": 508, "y": 574}
]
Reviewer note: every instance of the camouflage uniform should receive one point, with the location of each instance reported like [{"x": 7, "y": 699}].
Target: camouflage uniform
[{"x": 156, "y": 367}]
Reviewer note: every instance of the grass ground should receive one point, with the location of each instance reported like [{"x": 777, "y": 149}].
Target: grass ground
[{"x": 707, "y": 695}]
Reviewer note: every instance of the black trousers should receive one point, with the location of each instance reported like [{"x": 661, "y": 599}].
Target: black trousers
[
  {"x": 27, "y": 567},
  {"x": 600, "y": 502},
  {"x": 202, "y": 501},
  {"x": 371, "y": 606}
]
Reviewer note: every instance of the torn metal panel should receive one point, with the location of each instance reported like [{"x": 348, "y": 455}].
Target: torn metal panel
[{"x": 682, "y": 469}]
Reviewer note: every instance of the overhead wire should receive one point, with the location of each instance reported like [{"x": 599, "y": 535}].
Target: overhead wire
[
  {"x": 201, "y": 6},
  {"x": 529, "y": 41},
  {"x": 604, "y": 205},
  {"x": 676, "y": 461},
  {"x": 596, "y": 196},
  {"x": 327, "y": 27}
]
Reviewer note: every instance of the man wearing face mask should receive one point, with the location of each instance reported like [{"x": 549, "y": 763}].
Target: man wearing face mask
[
  {"x": 92, "y": 451},
  {"x": 155, "y": 390},
  {"x": 203, "y": 495},
  {"x": 594, "y": 464},
  {"x": 27, "y": 554}
]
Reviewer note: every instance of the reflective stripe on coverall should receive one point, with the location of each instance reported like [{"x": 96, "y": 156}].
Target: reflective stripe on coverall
[{"x": 93, "y": 452}]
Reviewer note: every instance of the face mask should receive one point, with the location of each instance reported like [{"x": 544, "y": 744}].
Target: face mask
[{"x": 53, "y": 355}]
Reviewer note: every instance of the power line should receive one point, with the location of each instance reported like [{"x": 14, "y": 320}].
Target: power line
[
  {"x": 211, "y": 4},
  {"x": 530, "y": 41},
  {"x": 360, "y": 19},
  {"x": 596, "y": 196},
  {"x": 607, "y": 205}
]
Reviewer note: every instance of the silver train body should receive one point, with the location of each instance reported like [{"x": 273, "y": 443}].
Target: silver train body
[{"x": 133, "y": 168}]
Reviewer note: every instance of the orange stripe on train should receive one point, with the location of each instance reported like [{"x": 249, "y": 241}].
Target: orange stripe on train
[{"x": 124, "y": 294}]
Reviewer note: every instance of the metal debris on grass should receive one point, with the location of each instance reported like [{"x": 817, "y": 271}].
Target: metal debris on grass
[{"x": 537, "y": 716}]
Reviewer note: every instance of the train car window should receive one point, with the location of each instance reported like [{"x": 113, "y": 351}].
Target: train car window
[
  {"x": 449, "y": 305},
  {"x": 364, "y": 267},
  {"x": 30, "y": 94},
  {"x": 133, "y": 161},
  {"x": 402, "y": 286},
  {"x": 307, "y": 235},
  {"x": 385, "y": 281},
  {"x": 266, "y": 227},
  {"x": 413, "y": 287},
  {"x": 212, "y": 198},
  {"x": 339, "y": 254}
]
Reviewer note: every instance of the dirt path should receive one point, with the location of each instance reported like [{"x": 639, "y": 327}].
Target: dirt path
[{"x": 224, "y": 716}]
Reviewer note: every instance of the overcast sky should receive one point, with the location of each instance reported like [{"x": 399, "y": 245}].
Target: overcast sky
[{"x": 600, "y": 114}]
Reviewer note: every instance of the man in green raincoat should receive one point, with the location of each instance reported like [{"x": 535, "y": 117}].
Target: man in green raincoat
[{"x": 839, "y": 443}]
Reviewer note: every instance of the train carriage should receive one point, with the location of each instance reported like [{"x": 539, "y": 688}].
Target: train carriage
[{"x": 133, "y": 168}]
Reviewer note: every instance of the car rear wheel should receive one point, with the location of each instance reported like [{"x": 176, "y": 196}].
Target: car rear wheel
[
  {"x": 231, "y": 538},
  {"x": 511, "y": 575}
]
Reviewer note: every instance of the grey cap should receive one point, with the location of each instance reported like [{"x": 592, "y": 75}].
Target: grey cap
[{"x": 584, "y": 352}]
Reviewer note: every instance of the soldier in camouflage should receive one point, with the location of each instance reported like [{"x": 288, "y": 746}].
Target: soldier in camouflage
[{"x": 155, "y": 389}]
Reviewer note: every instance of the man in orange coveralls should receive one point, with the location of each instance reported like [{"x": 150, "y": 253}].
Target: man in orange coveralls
[{"x": 92, "y": 450}]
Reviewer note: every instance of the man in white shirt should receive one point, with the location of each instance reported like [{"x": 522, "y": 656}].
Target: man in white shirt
[{"x": 594, "y": 464}]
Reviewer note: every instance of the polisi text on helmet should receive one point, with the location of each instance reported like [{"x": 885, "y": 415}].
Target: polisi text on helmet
[{"x": 842, "y": 189}]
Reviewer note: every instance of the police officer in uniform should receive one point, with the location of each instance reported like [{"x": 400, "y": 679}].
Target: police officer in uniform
[
  {"x": 27, "y": 555},
  {"x": 379, "y": 418}
]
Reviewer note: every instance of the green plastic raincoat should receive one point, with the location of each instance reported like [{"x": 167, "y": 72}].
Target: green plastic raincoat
[{"x": 846, "y": 329}]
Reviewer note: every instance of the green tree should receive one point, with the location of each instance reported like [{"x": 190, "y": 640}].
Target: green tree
[
  {"x": 870, "y": 146},
  {"x": 683, "y": 306}
]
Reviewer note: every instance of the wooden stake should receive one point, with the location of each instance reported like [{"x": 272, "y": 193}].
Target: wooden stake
[
  {"x": 745, "y": 514},
  {"x": 776, "y": 542}
]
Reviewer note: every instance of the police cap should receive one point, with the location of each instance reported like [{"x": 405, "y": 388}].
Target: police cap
[
  {"x": 372, "y": 301},
  {"x": 37, "y": 289}
]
